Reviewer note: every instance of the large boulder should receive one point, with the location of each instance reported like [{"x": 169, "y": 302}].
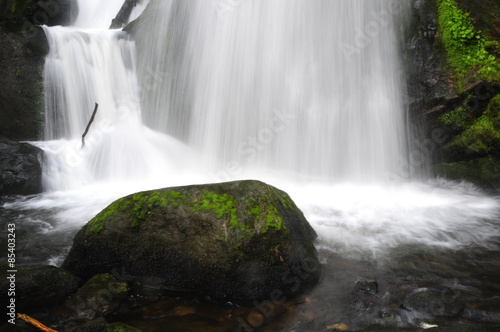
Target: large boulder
[
  {"x": 235, "y": 241},
  {"x": 20, "y": 168}
]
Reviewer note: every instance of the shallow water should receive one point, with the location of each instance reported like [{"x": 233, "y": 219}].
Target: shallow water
[{"x": 441, "y": 236}]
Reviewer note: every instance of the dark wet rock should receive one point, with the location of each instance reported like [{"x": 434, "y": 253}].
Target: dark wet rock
[
  {"x": 96, "y": 325},
  {"x": 123, "y": 15},
  {"x": 120, "y": 327},
  {"x": 366, "y": 287},
  {"x": 36, "y": 12},
  {"x": 235, "y": 241},
  {"x": 100, "y": 296},
  {"x": 22, "y": 58},
  {"x": 20, "y": 168},
  {"x": 432, "y": 303},
  {"x": 38, "y": 286},
  {"x": 424, "y": 57}
]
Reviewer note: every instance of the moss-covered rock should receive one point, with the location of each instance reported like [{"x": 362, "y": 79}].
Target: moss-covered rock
[
  {"x": 100, "y": 296},
  {"x": 235, "y": 240},
  {"x": 484, "y": 172},
  {"x": 120, "y": 327}
]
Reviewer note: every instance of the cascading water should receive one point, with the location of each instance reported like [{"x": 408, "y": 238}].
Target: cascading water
[
  {"x": 305, "y": 95},
  {"x": 307, "y": 87}
]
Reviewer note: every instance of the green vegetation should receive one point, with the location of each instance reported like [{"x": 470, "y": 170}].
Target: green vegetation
[
  {"x": 243, "y": 215},
  {"x": 222, "y": 205},
  {"x": 103, "y": 281},
  {"x": 460, "y": 118},
  {"x": 482, "y": 171},
  {"x": 138, "y": 206},
  {"x": 479, "y": 137},
  {"x": 467, "y": 49},
  {"x": 120, "y": 327}
]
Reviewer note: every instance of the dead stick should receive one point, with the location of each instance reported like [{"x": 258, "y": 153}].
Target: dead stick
[
  {"x": 35, "y": 323},
  {"x": 88, "y": 125}
]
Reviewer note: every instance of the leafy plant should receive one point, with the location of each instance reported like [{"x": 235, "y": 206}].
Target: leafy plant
[{"x": 467, "y": 49}]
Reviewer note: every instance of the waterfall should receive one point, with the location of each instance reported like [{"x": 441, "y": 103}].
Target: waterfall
[
  {"x": 308, "y": 87},
  {"x": 87, "y": 66},
  {"x": 307, "y": 95}
]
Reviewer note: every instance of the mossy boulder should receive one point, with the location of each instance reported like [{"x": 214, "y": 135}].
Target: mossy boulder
[{"x": 236, "y": 241}]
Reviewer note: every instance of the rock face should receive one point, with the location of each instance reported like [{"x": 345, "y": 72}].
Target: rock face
[
  {"x": 53, "y": 12},
  {"x": 22, "y": 58},
  {"x": 453, "y": 117},
  {"x": 235, "y": 241},
  {"x": 20, "y": 168}
]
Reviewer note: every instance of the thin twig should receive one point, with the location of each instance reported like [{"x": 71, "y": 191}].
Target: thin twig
[
  {"x": 35, "y": 323},
  {"x": 88, "y": 125}
]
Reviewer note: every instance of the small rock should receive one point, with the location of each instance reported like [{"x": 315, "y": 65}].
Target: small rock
[
  {"x": 100, "y": 296},
  {"x": 366, "y": 287}
]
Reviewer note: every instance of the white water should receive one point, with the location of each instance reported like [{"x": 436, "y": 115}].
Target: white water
[
  {"x": 289, "y": 92},
  {"x": 310, "y": 87}
]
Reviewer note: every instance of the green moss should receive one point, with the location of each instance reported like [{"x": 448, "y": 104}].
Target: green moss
[
  {"x": 120, "y": 327},
  {"x": 273, "y": 219},
  {"x": 461, "y": 118},
  {"x": 224, "y": 206},
  {"x": 484, "y": 172},
  {"x": 103, "y": 281},
  {"x": 96, "y": 225},
  {"x": 482, "y": 137},
  {"x": 466, "y": 48},
  {"x": 139, "y": 206}
]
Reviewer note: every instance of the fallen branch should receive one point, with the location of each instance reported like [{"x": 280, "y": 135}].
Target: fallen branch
[
  {"x": 88, "y": 125},
  {"x": 123, "y": 15},
  {"x": 35, "y": 323}
]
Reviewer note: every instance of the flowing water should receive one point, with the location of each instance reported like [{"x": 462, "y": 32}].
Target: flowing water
[{"x": 305, "y": 95}]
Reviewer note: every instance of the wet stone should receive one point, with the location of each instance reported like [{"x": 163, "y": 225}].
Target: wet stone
[{"x": 366, "y": 287}]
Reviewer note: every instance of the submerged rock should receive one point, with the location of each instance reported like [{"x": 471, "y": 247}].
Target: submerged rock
[
  {"x": 20, "y": 168},
  {"x": 98, "y": 297},
  {"x": 236, "y": 241}
]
